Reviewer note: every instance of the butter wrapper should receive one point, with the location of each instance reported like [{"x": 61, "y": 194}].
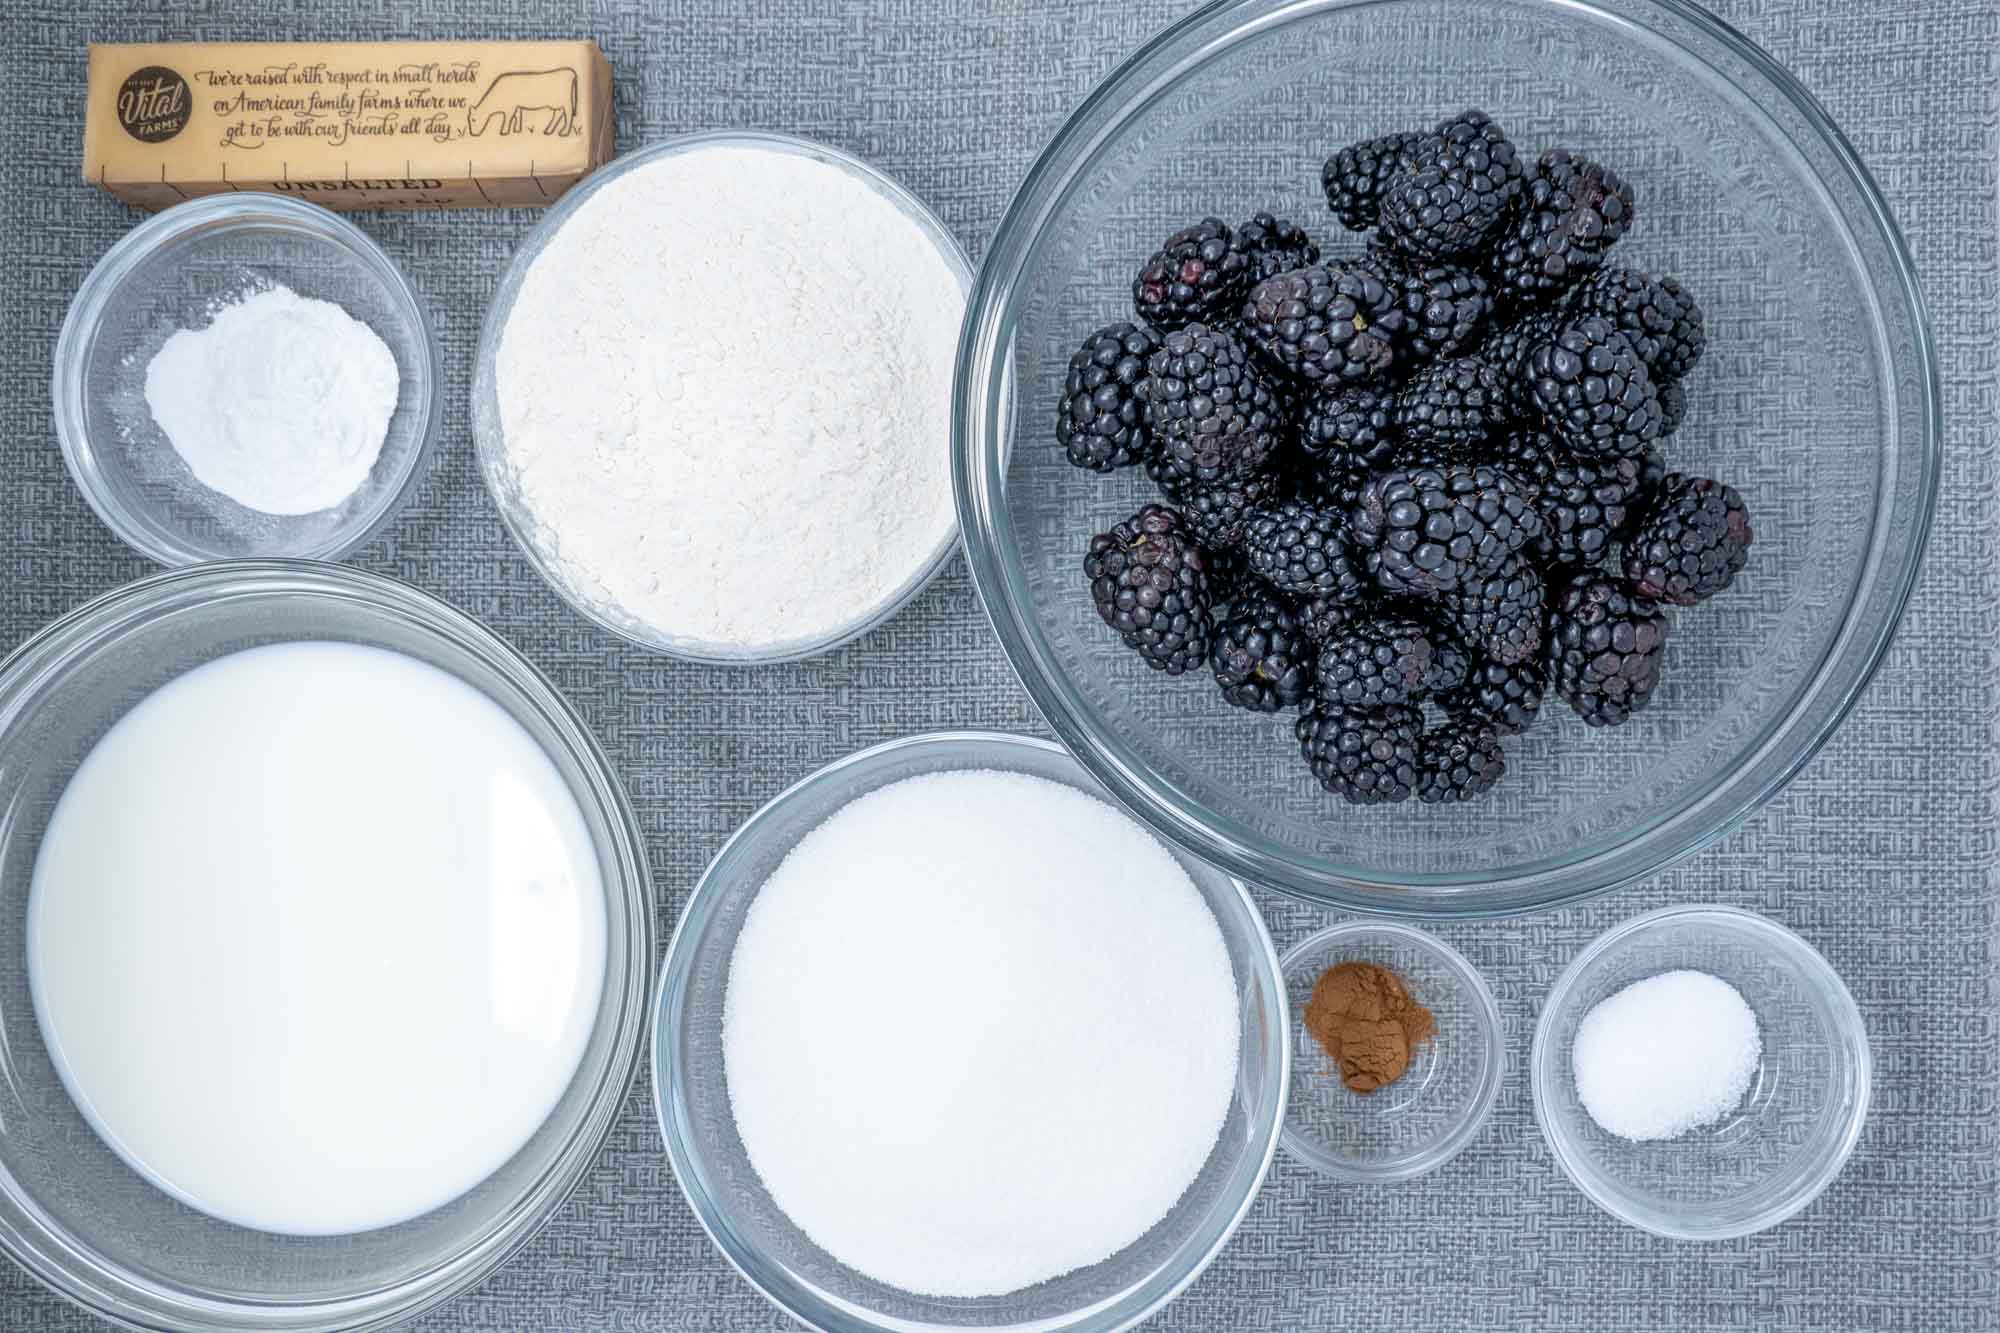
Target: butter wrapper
[{"x": 351, "y": 125}]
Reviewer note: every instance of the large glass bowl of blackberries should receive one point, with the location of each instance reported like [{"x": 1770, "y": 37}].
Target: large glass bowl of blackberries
[{"x": 1446, "y": 459}]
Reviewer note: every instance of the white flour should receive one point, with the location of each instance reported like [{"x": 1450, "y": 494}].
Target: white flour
[
  {"x": 725, "y": 393},
  {"x": 281, "y": 403}
]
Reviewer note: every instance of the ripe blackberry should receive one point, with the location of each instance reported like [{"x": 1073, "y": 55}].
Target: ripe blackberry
[
  {"x": 1198, "y": 274},
  {"x": 1457, "y": 762},
  {"x": 1603, "y": 648},
  {"x": 1449, "y": 405},
  {"x": 1427, "y": 528},
  {"x": 1664, "y": 324},
  {"x": 1260, "y": 656},
  {"x": 1150, "y": 583},
  {"x": 1274, "y": 246},
  {"x": 1444, "y": 308},
  {"x": 1102, "y": 422},
  {"x": 1593, "y": 390},
  {"x": 1351, "y": 422},
  {"x": 1506, "y": 350},
  {"x": 1455, "y": 191},
  {"x": 1325, "y": 324},
  {"x": 1375, "y": 661},
  {"x": 1503, "y": 696},
  {"x": 1499, "y": 611},
  {"x": 1570, "y": 212},
  {"x": 1584, "y": 502},
  {"x": 1691, "y": 543},
  {"x": 1296, "y": 548},
  {"x": 1363, "y": 756},
  {"x": 1673, "y": 406},
  {"x": 1214, "y": 415},
  {"x": 1215, "y": 514},
  {"x": 1355, "y": 176}
]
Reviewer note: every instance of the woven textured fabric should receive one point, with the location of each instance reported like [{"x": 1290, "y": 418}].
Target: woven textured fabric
[{"x": 1882, "y": 852}]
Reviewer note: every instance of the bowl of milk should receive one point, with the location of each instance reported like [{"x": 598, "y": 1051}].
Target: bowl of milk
[{"x": 324, "y": 936}]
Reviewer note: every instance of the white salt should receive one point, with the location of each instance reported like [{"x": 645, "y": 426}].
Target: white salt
[
  {"x": 1666, "y": 1055},
  {"x": 980, "y": 1030}
]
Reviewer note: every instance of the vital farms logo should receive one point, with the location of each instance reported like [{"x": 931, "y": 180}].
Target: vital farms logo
[{"x": 153, "y": 104}]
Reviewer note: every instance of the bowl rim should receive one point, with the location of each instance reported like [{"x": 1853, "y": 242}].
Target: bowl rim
[
  {"x": 1847, "y": 1021},
  {"x": 52, "y": 1256},
  {"x": 490, "y": 447},
  {"x": 665, "y": 1056},
  {"x": 1304, "y": 1148},
  {"x": 978, "y": 467},
  {"x": 236, "y": 208}
]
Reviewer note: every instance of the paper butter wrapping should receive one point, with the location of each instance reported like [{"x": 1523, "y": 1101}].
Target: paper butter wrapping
[{"x": 351, "y": 125}]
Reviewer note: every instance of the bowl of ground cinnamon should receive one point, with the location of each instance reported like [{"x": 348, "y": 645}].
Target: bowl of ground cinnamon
[{"x": 1397, "y": 1052}]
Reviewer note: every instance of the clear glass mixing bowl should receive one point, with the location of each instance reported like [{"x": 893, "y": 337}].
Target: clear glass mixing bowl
[
  {"x": 1817, "y": 399},
  {"x": 71, "y": 1211},
  {"x": 691, "y": 1094}
]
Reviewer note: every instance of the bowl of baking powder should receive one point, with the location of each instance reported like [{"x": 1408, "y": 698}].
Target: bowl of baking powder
[{"x": 712, "y": 397}]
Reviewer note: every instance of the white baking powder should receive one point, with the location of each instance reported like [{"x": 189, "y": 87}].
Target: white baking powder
[
  {"x": 1666, "y": 1055},
  {"x": 281, "y": 403},
  {"x": 980, "y": 1030},
  {"x": 725, "y": 393}
]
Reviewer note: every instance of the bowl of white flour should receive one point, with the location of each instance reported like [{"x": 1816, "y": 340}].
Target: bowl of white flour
[
  {"x": 246, "y": 375},
  {"x": 712, "y": 397}
]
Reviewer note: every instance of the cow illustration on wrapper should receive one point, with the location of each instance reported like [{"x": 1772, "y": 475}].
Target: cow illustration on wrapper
[{"x": 542, "y": 101}]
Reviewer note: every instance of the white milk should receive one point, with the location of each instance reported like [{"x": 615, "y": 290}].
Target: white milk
[{"x": 316, "y": 937}]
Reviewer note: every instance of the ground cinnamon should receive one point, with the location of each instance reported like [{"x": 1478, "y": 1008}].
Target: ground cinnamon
[{"x": 1364, "y": 1017}]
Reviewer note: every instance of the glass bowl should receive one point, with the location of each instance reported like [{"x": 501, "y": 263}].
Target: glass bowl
[
  {"x": 1817, "y": 399},
  {"x": 71, "y": 1211},
  {"x": 1800, "y": 1119},
  {"x": 539, "y": 544},
  {"x": 166, "y": 274},
  {"x": 1437, "y": 1108},
  {"x": 692, "y": 1098}
]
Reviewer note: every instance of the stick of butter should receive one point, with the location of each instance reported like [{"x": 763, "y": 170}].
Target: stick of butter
[{"x": 348, "y": 124}]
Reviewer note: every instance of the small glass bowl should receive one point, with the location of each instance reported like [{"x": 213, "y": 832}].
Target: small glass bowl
[
  {"x": 691, "y": 1096},
  {"x": 1429, "y": 1115},
  {"x": 72, "y": 1211},
  {"x": 538, "y": 544},
  {"x": 1772, "y": 1155},
  {"x": 167, "y": 274}
]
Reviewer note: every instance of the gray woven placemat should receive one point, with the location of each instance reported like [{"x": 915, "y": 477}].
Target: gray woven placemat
[{"x": 1882, "y": 852}]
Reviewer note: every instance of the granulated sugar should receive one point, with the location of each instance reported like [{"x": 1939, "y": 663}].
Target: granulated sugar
[
  {"x": 1666, "y": 1055},
  {"x": 725, "y": 395},
  {"x": 980, "y": 1030}
]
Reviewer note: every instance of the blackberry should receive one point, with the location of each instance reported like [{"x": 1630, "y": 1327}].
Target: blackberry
[
  {"x": 1444, "y": 308},
  {"x": 1215, "y": 514},
  {"x": 1499, "y": 611},
  {"x": 1197, "y": 274},
  {"x": 1450, "y": 662},
  {"x": 1593, "y": 390},
  {"x": 1352, "y": 422},
  {"x": 1455, "y": 191},
  {"x": 1664, "y": 324},
  {"x": 1354, "y": 177},
  {"x": 1214, "y": 415},
  {"x": 1691, "y": 543},
  {"x": 1375, "y": 661},
  {"x": 1150, "y": 583},
  {"x": 1260, "y": 656},
  {"x": 1503, "y": 696},
  {"x": 1364, "y": 756},
  {"x": 1673, "y": 406},
  {"x": 1274, "y": 246},
  {"x": 1449, "y": 405},
  {"x": 1507, "y": 352},
  {"x": 1584, "y": 502},
  {"x": 1570, "y": 212},
  {"x": 1457, "y": 762},
  {"x": 1296, "y": 548},
  {"x": 1428, "y": 528},
  {"x": 1320, "y": 618},
  {"x": 1603, "y": 648},
  {"x": 1325, "y": 324},
  {"x": 1102, "y": 421}
]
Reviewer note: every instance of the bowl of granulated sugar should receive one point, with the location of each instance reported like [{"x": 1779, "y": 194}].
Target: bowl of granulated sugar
[
  {"x": 947, "y": 1040},
  {"x": 712, "y": 396}
]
